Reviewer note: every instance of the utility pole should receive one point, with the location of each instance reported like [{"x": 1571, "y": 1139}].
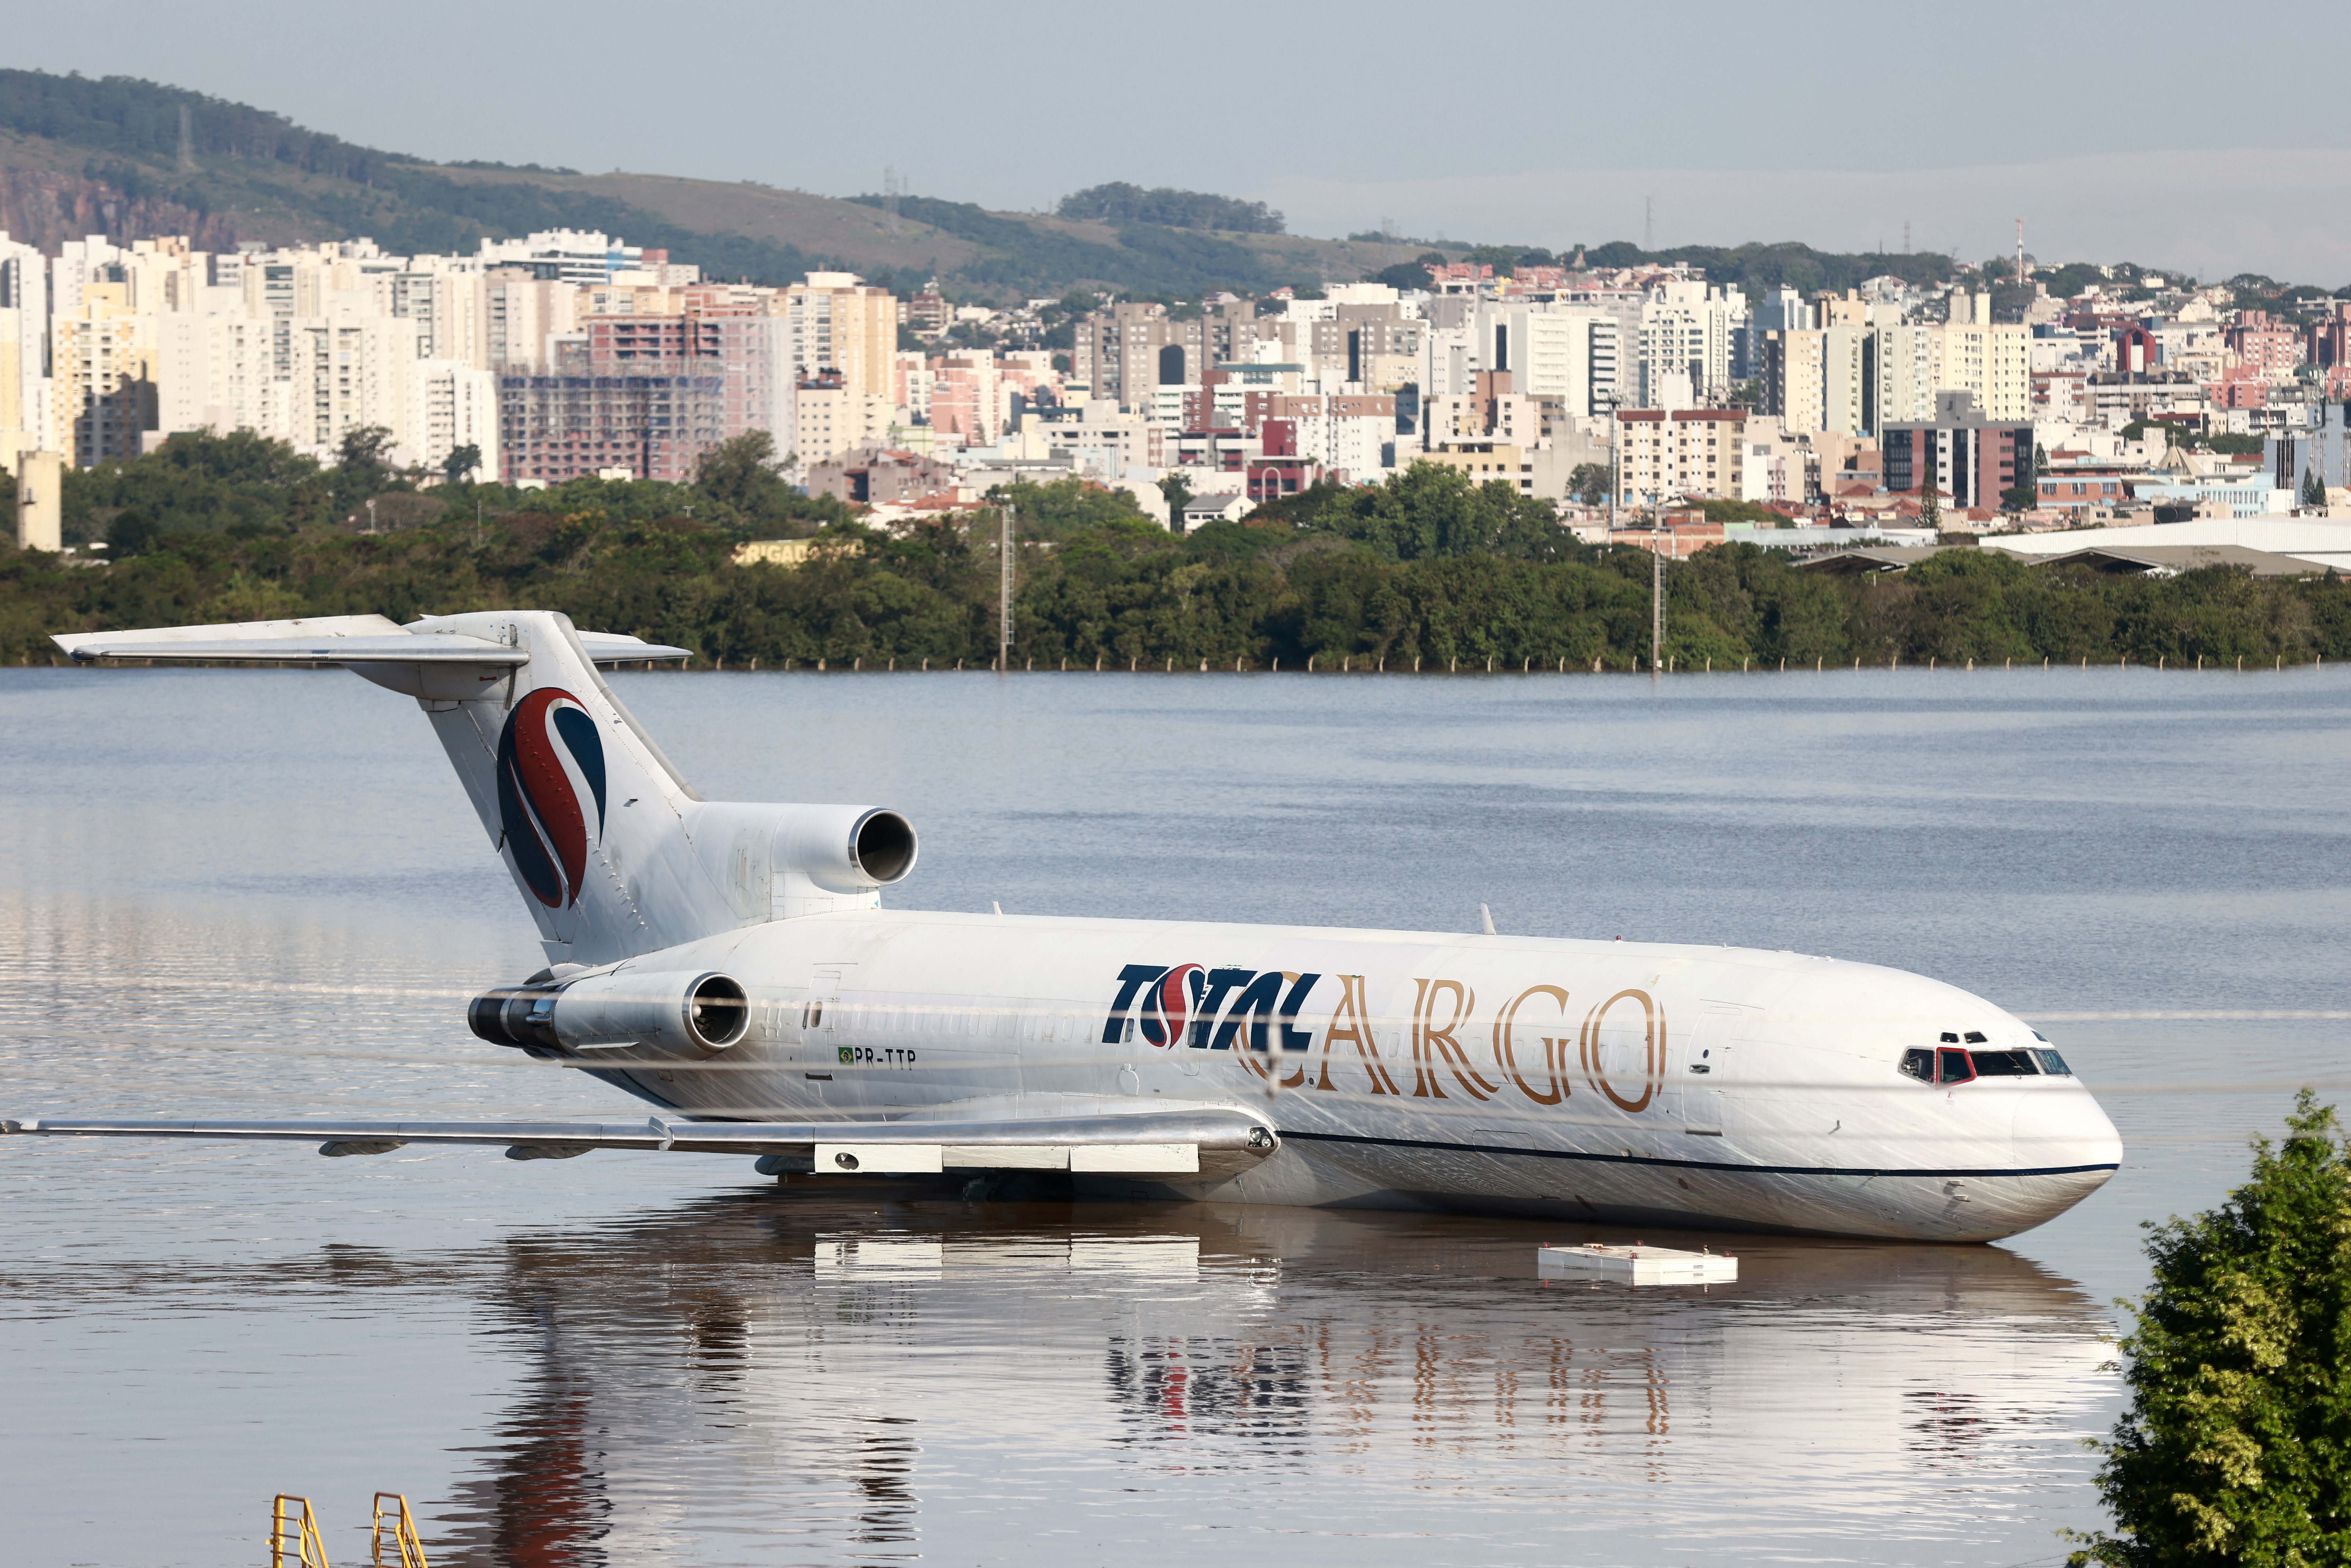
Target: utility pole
[
  {"x": 1004, "y": 624},
  {"x": 1657, "y": 598},
  {"x": 1616, "y": 454}
]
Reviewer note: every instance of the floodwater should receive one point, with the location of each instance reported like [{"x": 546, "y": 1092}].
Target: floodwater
[{"x": 263, "y": 892}]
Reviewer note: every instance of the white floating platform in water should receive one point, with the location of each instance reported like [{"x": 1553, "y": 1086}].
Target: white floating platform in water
[{"x": 1636, "y": 1265}]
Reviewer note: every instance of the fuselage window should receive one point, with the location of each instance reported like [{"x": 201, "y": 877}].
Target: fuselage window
[
  {"x": 2054, "y": 1063},
  {"x": 2003, "y": 1063},
  {"x": 1920, "y": 1063},
  {"x": 1953, "y": 1066}
]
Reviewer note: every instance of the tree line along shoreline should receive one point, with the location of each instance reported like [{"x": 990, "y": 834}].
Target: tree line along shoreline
[
  {"x": 1426, "y": 567},
  {"x": 930, "y": 604}
]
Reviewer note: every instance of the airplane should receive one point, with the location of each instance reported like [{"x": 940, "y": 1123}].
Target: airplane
[{"x": 733, "y": 965}]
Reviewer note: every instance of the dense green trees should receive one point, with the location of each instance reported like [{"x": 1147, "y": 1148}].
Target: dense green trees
[
  {"x": 2236, "y": 1446},
  {"x": 1120, "y": 203},
  {"x": 1427, "y": 567},
  {"x": 241, "y": 484}
]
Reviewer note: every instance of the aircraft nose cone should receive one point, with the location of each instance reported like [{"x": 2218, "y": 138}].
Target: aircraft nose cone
[
  {"x": 2063, "y": 1149},
  {"x": 2067, "y": 1128}
]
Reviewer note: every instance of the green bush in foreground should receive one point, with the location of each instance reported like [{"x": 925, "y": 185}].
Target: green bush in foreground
[{"x": 2237, "y": 1445}]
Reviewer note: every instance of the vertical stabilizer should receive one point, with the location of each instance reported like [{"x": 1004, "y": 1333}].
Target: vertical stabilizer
[{"x": 586, "y": 811}]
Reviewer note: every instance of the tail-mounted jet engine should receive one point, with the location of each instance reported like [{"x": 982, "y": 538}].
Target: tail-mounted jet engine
[
  {"x": 778, "y": 862},
  {"x": 678, "y": 1011}
]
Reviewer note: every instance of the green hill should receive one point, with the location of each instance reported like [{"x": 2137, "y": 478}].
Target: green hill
[{"x": 136, "y": 159}]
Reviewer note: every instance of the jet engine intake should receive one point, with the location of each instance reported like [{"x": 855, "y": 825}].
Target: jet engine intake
[
  {"x": 680, "y": 1011},
  {"x": 847, "y": 849}
]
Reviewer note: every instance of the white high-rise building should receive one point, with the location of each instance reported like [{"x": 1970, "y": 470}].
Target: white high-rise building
[
  {"x": 24, "y": 343},
  {"x": 1687, "y": 332},
  {"x": 447, "y": 404}
]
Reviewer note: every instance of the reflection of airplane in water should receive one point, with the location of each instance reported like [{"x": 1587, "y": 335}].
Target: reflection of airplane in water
[
  {"x": 799, "y": 1374},
  {"x": 731, "y": 965}
]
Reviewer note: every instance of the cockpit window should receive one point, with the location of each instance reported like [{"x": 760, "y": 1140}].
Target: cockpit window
[
  {"x": 1919, "y": 1064},
  {"x": 1950, "y": 1038},
  {"x": 1975, "y": 1037},
  {"x": 2003, "y": 1063},
  {"x": 1953, "y": 1067},
  {"x": 2052, "y": 1062}
]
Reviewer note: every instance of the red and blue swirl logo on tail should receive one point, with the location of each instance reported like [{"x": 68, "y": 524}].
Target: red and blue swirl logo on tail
[{"x": 550, "y": 766}]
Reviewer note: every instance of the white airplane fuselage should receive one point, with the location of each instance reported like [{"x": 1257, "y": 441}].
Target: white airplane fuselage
[{"x": 1633, "y": 1082}]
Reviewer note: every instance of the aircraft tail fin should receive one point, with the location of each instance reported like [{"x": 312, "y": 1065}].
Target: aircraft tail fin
[{"x": 614, "y": 853}]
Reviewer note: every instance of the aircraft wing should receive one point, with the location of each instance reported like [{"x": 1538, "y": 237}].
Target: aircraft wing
[{"x": 1199, "y": 1142}]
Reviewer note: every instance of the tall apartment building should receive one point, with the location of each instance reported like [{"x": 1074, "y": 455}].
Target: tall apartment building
[
  {"x": 751, "y": 351},
  {"x": 838, "y": 323},
  {"x": 444, "y": 308},
  {"x": 1816, "y": 378},
  {"x": 521, "y": 315},
  {"x": 1125, "y": 353},
  {"x": 1903, "y": 366},
  {"x": 650, "y": 393},
  {"x": 965, "y": 407},
  {"x": 445, "y": 405},
  {"x": 553, "y": 428},
  {"x": 25, "y": 320},
  {"x": 1687, "y": 332},
  {"x": 1663, "y": 456},
  {"x": 102, "y": 387}
]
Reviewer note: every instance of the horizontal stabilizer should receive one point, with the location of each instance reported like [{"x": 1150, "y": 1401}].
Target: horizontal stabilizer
[
  {"x": 613, "y": 648},
  {"x": 397, "y": 649},
  {"x": 335, "y": 640},
  {"x": 1207, "y": 1141}
]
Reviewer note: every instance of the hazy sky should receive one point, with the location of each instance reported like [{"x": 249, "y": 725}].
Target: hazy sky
[{"x": 1535, "y": 123}]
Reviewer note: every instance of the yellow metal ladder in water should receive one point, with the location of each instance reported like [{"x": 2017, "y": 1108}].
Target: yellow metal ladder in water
[
  {"x": 401, "y": 1526},
  {"x": 294, "y": 1535}
]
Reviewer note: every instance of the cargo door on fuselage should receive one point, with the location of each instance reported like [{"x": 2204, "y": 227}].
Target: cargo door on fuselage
[{"x": 823, "y": 1051}]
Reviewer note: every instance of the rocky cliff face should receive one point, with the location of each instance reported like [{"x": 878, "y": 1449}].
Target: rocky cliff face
[{"x": 46, "y": 207}]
